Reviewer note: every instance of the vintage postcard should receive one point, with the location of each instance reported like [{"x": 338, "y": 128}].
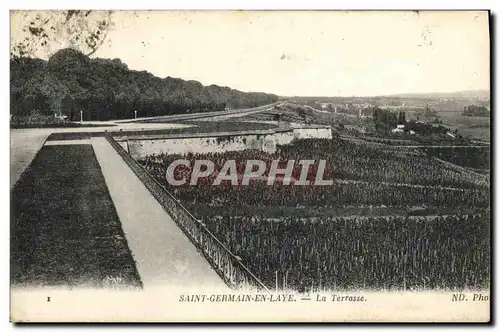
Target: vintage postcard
[{"x": 250, "y": 166}]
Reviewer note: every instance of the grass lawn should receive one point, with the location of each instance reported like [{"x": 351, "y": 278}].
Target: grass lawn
[
  {"x": 199, "y": 127},
  {"x": 74, "y": 135},
  {"x": 64, "y": 227}
]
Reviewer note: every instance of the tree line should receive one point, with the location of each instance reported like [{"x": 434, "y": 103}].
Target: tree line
[
  {"x": 386, "y": 120},
  {"x": 71, "y": 84},
  {"x": 475, "y": 110}
]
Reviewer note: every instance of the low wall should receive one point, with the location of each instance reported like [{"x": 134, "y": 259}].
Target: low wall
[
  {"x": 238, "y": 141},
  {"x": 303, "y": 133}
]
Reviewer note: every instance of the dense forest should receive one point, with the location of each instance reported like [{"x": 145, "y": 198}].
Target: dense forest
[{"x": 103, "y": 89}]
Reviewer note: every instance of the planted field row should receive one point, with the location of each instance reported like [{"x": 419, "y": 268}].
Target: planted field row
[
  {"x": 388, "y": 253},
  {"x": 473, "y": 157},
  {"x": 344, "y": 160},
  {"x": 339, "y": 194}
]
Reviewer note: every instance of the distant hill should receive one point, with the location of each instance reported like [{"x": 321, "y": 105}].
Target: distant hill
[
  {"x": 472, "y": 94},
  {"x": 469, "y": 94},
  {"x": 103, "y": 89}
]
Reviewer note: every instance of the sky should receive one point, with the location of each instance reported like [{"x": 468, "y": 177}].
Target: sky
[{"x": 306, "y": 53}]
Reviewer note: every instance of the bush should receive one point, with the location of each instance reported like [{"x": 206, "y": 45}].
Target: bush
[{"x": 38, "y": 120}]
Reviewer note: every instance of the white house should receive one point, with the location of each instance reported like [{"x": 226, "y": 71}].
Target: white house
[{"x": 399, "y": 129}]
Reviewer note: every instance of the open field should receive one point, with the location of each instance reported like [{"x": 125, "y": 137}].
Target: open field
[
  {"x": 477, "y": 127},
  {"x": 64, "y": 227}
]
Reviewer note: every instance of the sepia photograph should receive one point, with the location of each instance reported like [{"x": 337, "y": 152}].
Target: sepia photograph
[{"x": 250, "y": 166}]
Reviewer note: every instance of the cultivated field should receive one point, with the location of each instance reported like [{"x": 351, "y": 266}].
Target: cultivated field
[
  {"x": 415, "y": 222},
  {"x": 351, "y": 253}
]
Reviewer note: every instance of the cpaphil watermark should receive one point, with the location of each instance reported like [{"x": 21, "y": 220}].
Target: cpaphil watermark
[{"x": 236, "y": 172}]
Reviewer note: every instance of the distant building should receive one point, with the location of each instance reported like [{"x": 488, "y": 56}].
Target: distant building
[{"x": 399, "y": 129}]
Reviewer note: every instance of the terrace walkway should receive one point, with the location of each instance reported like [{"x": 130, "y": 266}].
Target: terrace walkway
[
  {"x": 23, "y": 148},
  {"x": 164, "y": 256}
]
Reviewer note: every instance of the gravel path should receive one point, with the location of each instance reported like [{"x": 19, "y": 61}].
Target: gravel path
[
  {"x": 23, "y": 148},
  {"x": 25, "y": 143},
  {"x": 164, "y": 256}
]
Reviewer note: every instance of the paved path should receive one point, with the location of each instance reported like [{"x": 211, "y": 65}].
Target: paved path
[
  {"x": 69, "y": 142},
  {"x": 23, "y": 149},
  {"x": 164, "y": 256},
  {"x": 233, "y": 115},
  {"x": 193, "y": 116},
  {"x": 25, "y": 143}
]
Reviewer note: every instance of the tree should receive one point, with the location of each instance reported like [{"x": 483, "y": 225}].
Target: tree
[
  {"x": 103, "y": 89},
  {"x": 402, "y": 117},
  {"x": 475, "y": 110},
  {"x": 428, "y": 112},
  {"x": 384, "y": 119}
]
